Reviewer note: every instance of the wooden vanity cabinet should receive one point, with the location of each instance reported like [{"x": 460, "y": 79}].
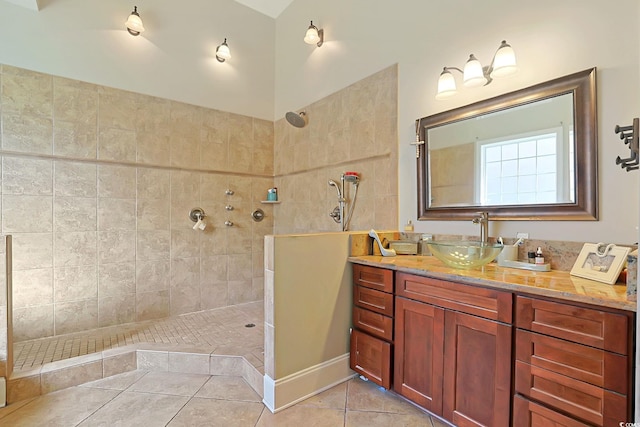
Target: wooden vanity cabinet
[
  {"x": 453, "y": 349},
  {"x": 573, "y": 363},
  {"x": 372, "y": 333}
]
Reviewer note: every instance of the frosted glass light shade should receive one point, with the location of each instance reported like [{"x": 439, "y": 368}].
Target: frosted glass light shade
[
  {"x": 314, "y": 35},
  {"x": 222, "y": 52},
  {"x": 473, "y": 75},
  {"x": 504, "y": 62},
  {"x": 446, "y": 85},
  {"x": 134, "y": 23}
]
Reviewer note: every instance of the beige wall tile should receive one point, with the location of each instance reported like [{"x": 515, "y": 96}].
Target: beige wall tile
[
  {"x": 118, "y": 182},
  {"x": 75, "y": 101},
  {"x": 116, "y": 214},
  {"x": 116, "y": 109},
  {"x": 32, "y": 322},
  {"x": 32, "y": 287},
  {"x": 117, "y": 144},
  {"x": 73, "y": 139},
  {"x": 153, "y": 245},
  {"x": 153, "y": 183},
  {"x": 74, "y": 214},
  {"x": 75, "y": 283},
  {"x": 153, "y": 148},
  {"x": 214, "y": 295},
  {"x": 32, "y": 250},
  {"x": 76, "y": 316},
  {"x": 185, "y": 149},
  {"x": 189, "y": 363},
  {"x": 213, "y": 269},
  {"x": 240, "y": 267},
  {"x": 185, "y": 186},
  {"x": 240, "y": 291},
  {"x": 69, "y": 377},
  {"x": 152, "y": 305},
  {"x": 116, "y": 246},
  {"x": 153, "y": 360},
  {"x": 23, "y": 388},
  {"x": 185, "y": 243},
  {"x": 153, "y": 214},
  {"x": 152, "y": 276},
  {"x": 27, "y": 214},
  {"x": 75, "y": 248},
  {"x": 74, "y": 179},
  {"x": 116, "y": 310},
  {"x": 214, "y": 152},
  {"x": 119, "y": 364},
  {"x": 27, "y": 134},
  {"x": 27, "y": 176},
  {"x": 26, "y": 92},
  {"x": 116, "y": 279}
]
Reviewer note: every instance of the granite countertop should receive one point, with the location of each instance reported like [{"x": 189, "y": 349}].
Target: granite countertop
[{"x": 555, "y": 284}]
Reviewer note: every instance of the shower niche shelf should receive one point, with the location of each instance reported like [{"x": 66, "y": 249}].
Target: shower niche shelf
[{"x": 270, "y": 202}]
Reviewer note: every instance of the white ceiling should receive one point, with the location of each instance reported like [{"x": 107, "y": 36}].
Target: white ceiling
[{"x": 272, "y": 8}]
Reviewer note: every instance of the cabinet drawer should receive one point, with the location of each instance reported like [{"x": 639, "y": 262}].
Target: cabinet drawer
[
  {"x": 373, "y": 323},
  {"x": 373, "y": 300},
  {"x": 487, "y": 303},
  {"x": 582, "y": 400},
  {"x": 371, "y": 357},
  {"x": 592, "y": 327},
  {"x": 529, "y": 414},
  {"x": 588, "y": 364},
  {"x": 373, "y": 277}
]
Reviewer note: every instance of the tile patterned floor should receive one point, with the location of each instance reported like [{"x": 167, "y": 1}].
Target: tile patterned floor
[
  {"x": 220, "y": 331},
  {"x": 152, "y": 399}
]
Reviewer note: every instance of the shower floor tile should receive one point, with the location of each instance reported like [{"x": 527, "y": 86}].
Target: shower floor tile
[{"x": 220, "y": 331}]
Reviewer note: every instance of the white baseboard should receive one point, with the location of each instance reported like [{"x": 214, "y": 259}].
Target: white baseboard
[{"x": 282, "y": 393}]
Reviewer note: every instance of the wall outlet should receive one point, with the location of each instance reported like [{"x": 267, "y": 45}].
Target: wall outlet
[{"x": 522, "y": 235}]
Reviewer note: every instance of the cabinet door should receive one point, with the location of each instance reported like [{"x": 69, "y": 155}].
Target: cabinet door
[
  {"x": 529, "y": 414},
  {"x": 477, "y": 371},
  {"x": 418, "y": 353},
  {"x": 371, "y": 357}
]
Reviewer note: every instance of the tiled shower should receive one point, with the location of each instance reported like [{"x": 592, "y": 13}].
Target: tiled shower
[{"x": 97, "y": 185}]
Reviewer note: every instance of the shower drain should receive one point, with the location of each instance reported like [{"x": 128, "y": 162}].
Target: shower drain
[{"x": 249, "y": 325}]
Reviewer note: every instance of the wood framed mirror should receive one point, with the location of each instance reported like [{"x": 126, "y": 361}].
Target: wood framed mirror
[{"x": 525, "y": 155}]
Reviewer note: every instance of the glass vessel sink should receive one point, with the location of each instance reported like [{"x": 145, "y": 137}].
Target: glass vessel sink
[{"x": 465, "y": 254}]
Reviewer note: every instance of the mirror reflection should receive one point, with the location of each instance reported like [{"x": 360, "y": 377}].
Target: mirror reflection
[
  {"x": 529, "y": 154},
  {"x": 523, "y": 155}
]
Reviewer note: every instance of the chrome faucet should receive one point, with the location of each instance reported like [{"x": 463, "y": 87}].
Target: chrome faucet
[{"x": 483, "y": 220}]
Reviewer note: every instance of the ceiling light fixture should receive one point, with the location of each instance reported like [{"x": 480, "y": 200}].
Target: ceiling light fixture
[
  {"x": 222, "y": 52},
  {"x": 475, "y": 75},
  {"x": 134, "y": 23},
  {"x": 314, "y": 35}
]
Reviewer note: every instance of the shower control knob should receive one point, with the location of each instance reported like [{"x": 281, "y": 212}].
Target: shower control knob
[
  {"x": 228, "y": 223},
  {"x": 229, "y": 207}
]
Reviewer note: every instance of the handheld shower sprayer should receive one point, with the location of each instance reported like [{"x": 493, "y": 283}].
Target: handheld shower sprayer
[{"x": 338, "y": 213}]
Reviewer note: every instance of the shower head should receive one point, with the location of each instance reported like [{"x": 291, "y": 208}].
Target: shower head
[{"x": 298, "y": 120}]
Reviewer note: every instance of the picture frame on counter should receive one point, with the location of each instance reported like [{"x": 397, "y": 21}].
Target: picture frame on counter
[{"x": 601, "y": 262}]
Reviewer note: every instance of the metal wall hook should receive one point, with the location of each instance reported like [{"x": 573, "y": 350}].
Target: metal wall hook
[
  {"x": 228, "y": 223},
  {"x": 630, "y": 136}
]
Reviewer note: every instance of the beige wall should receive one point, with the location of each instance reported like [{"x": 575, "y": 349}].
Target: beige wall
[
  {"x": 354, "y": 129},
  {"x": 97, "y": 185}
]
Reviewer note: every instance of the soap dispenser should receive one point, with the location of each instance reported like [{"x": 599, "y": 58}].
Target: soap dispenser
[{"x": 409, "y": 226}]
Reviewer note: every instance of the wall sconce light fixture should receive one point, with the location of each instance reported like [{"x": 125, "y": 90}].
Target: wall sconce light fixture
[
  {"x": 314, "y": 35},
  {"x": 475, "y": 75},
  {"x": 134, "y": 23},
  {"x": 222, "y": 52}
]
